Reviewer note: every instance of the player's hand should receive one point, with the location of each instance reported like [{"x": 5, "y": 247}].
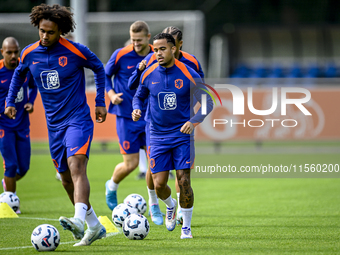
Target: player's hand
[
  {"x": 10, "y": 112},
  {"x": 100, "y": 114},
  {"x": 29, "y": 107},
  {"x": 187, "y": 128},
  {"x": 142, "y": 65},
  {"x": 116, "y": 98},
  {"x": 136, "y": 114}
]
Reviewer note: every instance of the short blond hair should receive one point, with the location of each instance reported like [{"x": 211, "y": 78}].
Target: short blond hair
[{"x": 139, "y": 26}]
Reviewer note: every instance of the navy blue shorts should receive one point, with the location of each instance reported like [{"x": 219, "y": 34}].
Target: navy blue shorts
[
  {"x": 15, "y": 147},
  {"x": 131, "y": 135},
  {"x": 74, "y": 140},
  {"x": 171, "y": 153}
]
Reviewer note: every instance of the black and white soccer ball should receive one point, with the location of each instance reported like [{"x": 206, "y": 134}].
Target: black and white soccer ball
[
  {"x": 45, "y": 237},
  {"x": 136, "y": 201},
  {"x": 11, "y": 199},
  {"x": 136, "y": 227},
  {"x": 120, "y": 212}
]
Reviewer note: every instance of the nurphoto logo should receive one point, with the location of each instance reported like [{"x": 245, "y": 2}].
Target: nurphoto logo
[{"x": 239, "y": 104}]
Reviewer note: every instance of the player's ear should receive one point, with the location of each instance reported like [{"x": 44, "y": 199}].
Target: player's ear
[
  {"x": 149, "y": 37},
  {"x": 173, "y": 49},
  {"x": 180, "y": 44}
]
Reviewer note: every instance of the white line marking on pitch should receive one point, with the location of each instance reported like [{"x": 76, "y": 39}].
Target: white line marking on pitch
[
  {"x": 29, "y": 218},
  {"x": 25, "y": 247}
]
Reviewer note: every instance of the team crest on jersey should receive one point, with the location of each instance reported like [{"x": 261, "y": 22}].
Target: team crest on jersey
[
  {"x": 179, "y": 83},
  {"x": 20, "y": 95},
  {"x": 63, "y": 61},
  {"x": 167, "y": 100},
  {"x": 50, "y": 79}
]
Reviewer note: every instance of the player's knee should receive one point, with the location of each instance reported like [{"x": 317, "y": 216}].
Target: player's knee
[
  {"x": 77, "y": 169},
  {"x": 131, "y": 165},
  {"x": 159, "y": 185}
]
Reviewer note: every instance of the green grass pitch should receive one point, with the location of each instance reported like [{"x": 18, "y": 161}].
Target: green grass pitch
[{"x": 231, "y": 215}]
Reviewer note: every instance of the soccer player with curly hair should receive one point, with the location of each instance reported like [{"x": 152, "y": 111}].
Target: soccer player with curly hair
[{"x": 57, "y": 66}]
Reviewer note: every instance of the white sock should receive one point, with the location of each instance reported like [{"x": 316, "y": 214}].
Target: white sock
[
  {"x": 169, "y": 203},
  {"x": 178, "y": 205},
  {"x": 187, "y": 215},
  {"x": 112, "y": 185},
  {"x": 91, "y": 218},
  {"x": 80, "y": 211},
  {"x": 142, "y": 161},
  {"x": 153, "y": 200}
]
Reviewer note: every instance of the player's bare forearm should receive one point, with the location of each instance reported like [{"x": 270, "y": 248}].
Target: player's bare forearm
[
  {"x": 187, "y": 128},
  {"x": 10, "y": 112},
  {"x": 136, "y": 114},
  {"x": 101, "y": 113}
]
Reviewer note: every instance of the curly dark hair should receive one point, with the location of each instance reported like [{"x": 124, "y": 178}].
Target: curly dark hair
[
  {"x": 168, "y": 37},
  {"x": 61, "y": 15}
]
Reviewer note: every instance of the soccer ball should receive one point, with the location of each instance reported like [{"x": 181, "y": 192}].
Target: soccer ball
[
  {"x": 136, "y": 227},
  {"x": 11, "y": 199},
  {"x": 136, "y": 201},
  {"x": 120, "y": 212},
  {"x": 45, "y": 237}
]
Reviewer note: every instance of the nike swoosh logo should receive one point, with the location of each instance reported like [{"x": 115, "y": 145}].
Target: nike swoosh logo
[
  {"x": 155, "y": 82},
  {"x": 72, "y": 149},
  {"x": 188, "y": 162},
  {"x": 129, "y": 67},
  {"x": 35, "y": 63},
  {"x": 3, "y": 81}
]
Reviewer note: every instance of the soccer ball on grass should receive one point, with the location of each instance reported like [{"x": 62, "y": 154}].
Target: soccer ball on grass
[
  {"x": 120, "y": 212},
  {"x": 45, "y": 237},
  {"x": 136, "y": 201},
  {"x": 136, "y": 227},
  {"x": 11, "y": 199}
]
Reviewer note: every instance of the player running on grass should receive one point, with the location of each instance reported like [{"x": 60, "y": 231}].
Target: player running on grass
[
  {"x": 189, "y": 60},
  {"x": 131, "y": 134},
  {"x": 57, "y": 66},
  {"x": 171, "y": 86},
  {"x": 15, "y": 144}
]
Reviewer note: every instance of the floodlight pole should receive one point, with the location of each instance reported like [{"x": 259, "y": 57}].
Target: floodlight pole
[{"x": 80, "y": 8}]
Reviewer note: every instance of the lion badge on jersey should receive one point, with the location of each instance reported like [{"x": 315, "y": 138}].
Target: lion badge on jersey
[
  {"x": 167, "y": 100},
  {"x": 50, "y": 79}
]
